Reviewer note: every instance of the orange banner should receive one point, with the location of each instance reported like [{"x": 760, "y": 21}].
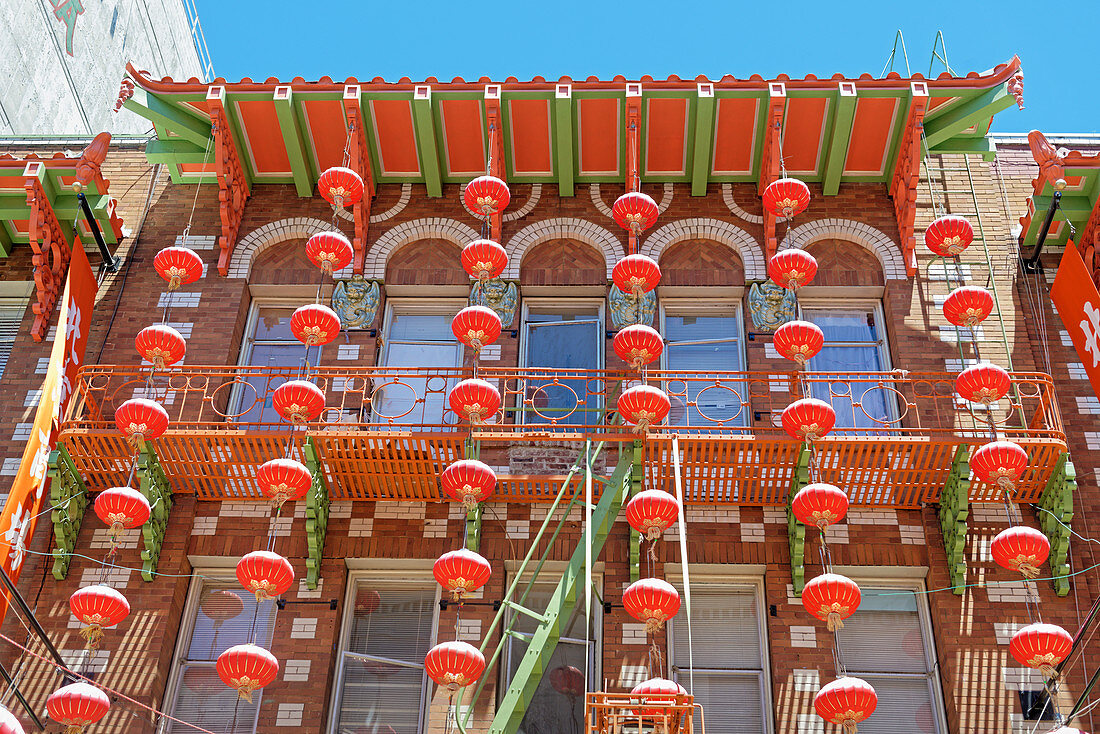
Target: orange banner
[
  {"x": 1078, "y": 303},
  {"x": 26, "y": 499}
]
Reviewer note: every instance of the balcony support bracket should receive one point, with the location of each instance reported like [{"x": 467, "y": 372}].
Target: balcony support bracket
[
  {"x": 637, "y": 484},
  {"x": 69, "y": 498},
  {"x": 473, "y": 529},
  {"x": 796, "y": 531},
  {"x": 317, "y": 509},
  {"x": 154, "y": 485},
  {"x": 1056, "y": 504},
  {"x": 954, "y": 508}
]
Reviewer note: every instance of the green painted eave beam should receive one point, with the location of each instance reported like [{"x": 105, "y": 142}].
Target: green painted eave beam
[
  {"x": 837, "y": 151},
  {"x": 292, "y": 139},
  {"x": 176, "y": 151},
  {"x": 426, "y": 141},
  {"x": 704, "y": 140},
  {"x": 563, "y": 142},
  {"x": 65, "y": 207},
  {"x": 159, "y": 112},
  {"x": 1075, "y": 208},
  {"x": 967, "y": 113},
  {"x": 6, "y": 243},
  {"x": 985, "y": 147}
]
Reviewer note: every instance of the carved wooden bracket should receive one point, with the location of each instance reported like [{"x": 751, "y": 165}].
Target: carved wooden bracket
[
  {"x": 233, "y": 188},
  {"x": 771, "y": 162},
  {"x": 51, "y": 250},
  {"x": 633, "y": 150},
  {"x": 358, "y": 161},
  {"x": 903, "y": 185},
  {"x": 496, "y": 153}
]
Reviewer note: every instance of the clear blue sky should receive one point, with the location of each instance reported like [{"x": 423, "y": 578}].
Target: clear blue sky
[{"x": 400, "y": 38}]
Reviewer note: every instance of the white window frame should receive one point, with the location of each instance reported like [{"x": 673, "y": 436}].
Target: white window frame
[
  {"x": 383, "y": 576},
  {"x": 563, "y": 304},
  {"x": 928, "y": 639},
  {"x": 200, "y": 578},
  {"x": 720, "y": 581}
]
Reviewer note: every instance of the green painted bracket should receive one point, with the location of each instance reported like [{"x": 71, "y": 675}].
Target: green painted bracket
[
  {"x": 1057, "y": 500},
  {"x": 796, "y": 531},
  {"x": 154, "y": 485},
  {"x": 636, "y": 479},
  {"x": 317, "y": 508},
  {"x": 69, "y": 498},
  {"x": 473, "y": 529},
  {"x": 954, "y": 509}
]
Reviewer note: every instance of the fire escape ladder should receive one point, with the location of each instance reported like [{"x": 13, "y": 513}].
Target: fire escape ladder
[{"x": 521, "y": 689}]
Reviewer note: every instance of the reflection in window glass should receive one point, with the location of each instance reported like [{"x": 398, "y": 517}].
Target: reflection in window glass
[
  {"x": 705, "y": 346},
  {"x": 270, "y": 344},
  {"x": 563, "y": 340},
  {"x": 853, "y": 343},
  {"x": 417, "y": 341}
]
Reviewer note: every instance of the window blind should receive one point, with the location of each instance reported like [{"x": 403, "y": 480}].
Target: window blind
[{"x": 11, "y": 316}]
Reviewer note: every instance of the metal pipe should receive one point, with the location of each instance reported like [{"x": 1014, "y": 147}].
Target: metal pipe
[
  {"x": 1084, "y": 695},
  {"x": 1032, "y": 262},
  {"x": 19, "y": 694},
  {"x": 111, "y": 262},
  {"x": 23, "y": 606}
]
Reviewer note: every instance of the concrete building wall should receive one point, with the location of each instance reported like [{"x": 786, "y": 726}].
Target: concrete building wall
[{"x": 46, "y": 90}]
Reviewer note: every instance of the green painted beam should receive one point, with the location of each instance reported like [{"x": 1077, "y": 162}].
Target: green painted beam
[
  {"x": 796, "y": 531},
  {"x": 153, "y": 483},
  {"x": 563, "y": 140},
  {"x": 953, "y": 511},
  {"x": 1055, "y": 515},
  {"x": 964, "y": 114},
  {"x": 704, "y": 139},
  {"x": 1073, "y": 208},
  {"x": 292, "y": 139},
  {"x": 317, "y": 512},
  {"x": 69, "y": 499},
  {"x": 6, "y": 243},
  {"x": 637, "y": 479},
  {"x": 65, "y": 207},
  {"x": 837, "y": 151},
  {"x": 473, "y": 529},
  {"x": 176, "y": 151},
  {"x": 159, "y": 112},
  {"x": 540, "y": 648},
  {"x": 985, "y": 147},
  {"x": 426, "y": 140}
]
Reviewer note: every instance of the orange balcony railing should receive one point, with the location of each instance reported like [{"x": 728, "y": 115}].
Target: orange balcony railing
[{"x": 386, "y": 433}]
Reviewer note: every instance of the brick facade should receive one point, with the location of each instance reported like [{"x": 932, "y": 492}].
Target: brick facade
[{"x": 710, "y": 243}]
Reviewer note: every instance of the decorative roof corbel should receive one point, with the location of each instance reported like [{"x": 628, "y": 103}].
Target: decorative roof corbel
[
  {"x": 358, "y": 161},
  {"x": 496, "y": 150},
  {"x": 50, "y": 246},
  {"x": 233, "y": 188},
  {"x": 903, "y": 184},
  {"x": 633, "y": 136},
  {"x": 771, "y": 160}
]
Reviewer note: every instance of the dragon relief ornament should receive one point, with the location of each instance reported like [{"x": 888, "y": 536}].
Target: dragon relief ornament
[
  {"x": 497, "y": 294},
  {"x": 355, "y": 301},
  {"x": 628, "y": 309},
  {"x": 770, "y": 305}
]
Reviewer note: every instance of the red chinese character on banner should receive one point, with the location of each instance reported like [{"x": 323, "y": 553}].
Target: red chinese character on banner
[{"x": 67, "y": 12}]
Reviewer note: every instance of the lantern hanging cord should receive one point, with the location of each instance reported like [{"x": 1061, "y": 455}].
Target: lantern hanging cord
[
  {"x": 198, "y": 185},
  {"x": 682, "y": 518},
  {"x": 105, "y": 689}
]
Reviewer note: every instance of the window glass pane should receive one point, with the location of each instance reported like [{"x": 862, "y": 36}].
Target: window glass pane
[
  {"x": 851, "y": 345},
  {"x": 904, "y": 707},
  {"x": 721, "y": 694},
  {"x": 203, "y": 700},
  {"x": 844, "y": 325},
  {"x": 393, "y": 622},
  {"x": 724, "y": 628},
  {"x": 559, "y": 341},
  {"x": 554, "y": 711},
  {"x": 399, "y": 401},
  {"x": 379, "y": 698},
  {"x": 883, "y": 640},
  {"x": 421, "y": 327},
  {"x": 273, "y": 324},
  {"x": 696, "y": 328}
]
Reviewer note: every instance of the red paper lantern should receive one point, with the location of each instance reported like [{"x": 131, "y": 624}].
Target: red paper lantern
[
  {"x": 651, "y": 512},
  {"x": 643, "y": 406},
  {"x": 298, "y": 401},
  {"x": 1041, "y": 646},
  {"x": 638, "y": 345},
  {"x": 461, "y": 572},
  {"x": 283, "y": 480},
  {"x": 635, "y": 211},
  {"x": 121, "y": 508},
  {"x": 178, "y": 265},
  {"x": 983, "y": 383},
  {"x": 475, "y": 400},
  {"x": 651, "y": 601},
  {"x": 160, "y": 344},
  {"x": 221, "y": 605},
  {"x": 468, "y": 481},
  {"x": 949, "y": 235},
  {"x": 636, "y": 274},
  {"x": 968, "y": 306},
  {"x": 476, "y": 326},
  {"x": 808, "y": 419},
  {"x": 329, "y": 251},
  {"x": 486, "y": 196},
  {"x": 314, "y": 324},
  {"x": 1022, "y": 549},
  {"x": 820, "y": 505},
  {"x": 1000, "y": 463},
  {"x": 9, "y": 724},
  {"x": 798, "y": 341},
  {"x": 566, "y": 680},
  {"x": 454, "y": 664},
  {"x": 97, "y": 607},
  {"x": 484, "y": 259},
  {"x": 140, "y": 420},
  {"x": 846, "y": 701},
  {"x": 77, "y": 705},
  {"x": 265, "y": 574},
  {"x": 246, "y": 668},
  {"x": 792, "y": 268},
  {"x": 341, "y": 186},
  {"x": 786, "y": 197},
  {"x": 832, "y": 598},
  {"x": 660, "y": 693}
]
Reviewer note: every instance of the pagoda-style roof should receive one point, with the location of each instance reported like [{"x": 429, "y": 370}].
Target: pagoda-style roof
[
  {"x": 1077, "y": 176},
  {"x": 700, "y": 131}
]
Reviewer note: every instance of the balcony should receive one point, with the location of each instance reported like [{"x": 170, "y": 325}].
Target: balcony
[{"x": 386, "y": 434}]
